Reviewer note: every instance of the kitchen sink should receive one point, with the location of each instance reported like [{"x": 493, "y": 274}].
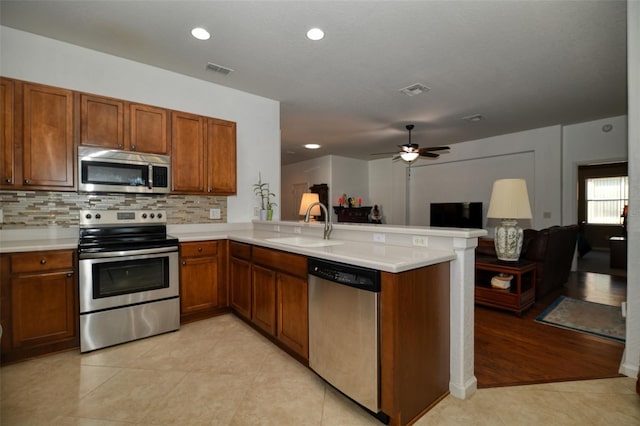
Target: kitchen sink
[{"x": 304, "y": 241}]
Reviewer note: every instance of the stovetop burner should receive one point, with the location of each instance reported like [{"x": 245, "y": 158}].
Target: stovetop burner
[{"x": 103, "y": 231}]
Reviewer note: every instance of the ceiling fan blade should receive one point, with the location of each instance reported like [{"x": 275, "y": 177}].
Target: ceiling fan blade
[
  {"x": 429, "y": 154},
  {"x": 435, "y": 148},
  {"x": 395, "y": 158}
]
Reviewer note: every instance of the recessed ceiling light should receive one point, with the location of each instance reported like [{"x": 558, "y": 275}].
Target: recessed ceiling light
[
  {"x": 200, "y": 33},
  {"x": 315, "y": 34},
  {"x": 312, "y": 146},
  {"x": 414, "y": 89}
]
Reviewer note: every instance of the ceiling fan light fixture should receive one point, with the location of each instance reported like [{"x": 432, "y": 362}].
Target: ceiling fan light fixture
[{"x": 409, "y": 156}]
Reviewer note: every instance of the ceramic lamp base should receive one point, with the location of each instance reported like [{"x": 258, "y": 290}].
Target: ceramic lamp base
[{"x": 508, "y": 240}]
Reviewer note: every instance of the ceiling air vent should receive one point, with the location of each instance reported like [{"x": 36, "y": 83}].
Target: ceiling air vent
[
  {"x": 219, "y": 68},
  {"x": 414, "y": 89}
]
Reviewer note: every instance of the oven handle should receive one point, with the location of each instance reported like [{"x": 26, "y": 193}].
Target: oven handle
[{"x": 128, "y": 252}]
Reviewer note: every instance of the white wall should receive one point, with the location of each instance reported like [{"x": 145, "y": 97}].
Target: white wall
[
  {"x": 309, "y": 172},
  {"x": 349, "y": 176},
  {"x": 631, "y": 358},
  {"x": 33, "y": 58},
  {"x": 587, "y": 143},
  {"x": 470, "y": 168}
]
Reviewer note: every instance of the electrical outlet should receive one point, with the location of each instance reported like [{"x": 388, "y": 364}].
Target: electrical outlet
[
  {"x": 546, "y": 215},
  {"x": 378, "y": 238},
  {"x": 1, "y": 217},
  {"x": 420, "y": 240},
  {"x": 256, "y": 212},
  {"x": 214, "y": 213},
  {"x": 297, "y": 230},
  {"x": 276, "y": 228}
]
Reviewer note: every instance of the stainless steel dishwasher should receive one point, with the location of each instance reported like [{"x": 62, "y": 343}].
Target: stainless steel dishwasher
[{"x": 344, "y": 330}]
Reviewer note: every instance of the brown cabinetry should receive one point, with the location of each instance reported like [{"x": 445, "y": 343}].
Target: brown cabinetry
[
  {"x": 293, "y": 313},
  {"x": 263, "y": 308},
  {"x": 7, "y": 149},
  {"x": 39, "y": 303},
  {"x": 42, "y": 155},
  {"x": 117, "y": 124},
  {"x": 202, "y": 291},
  {"x": 203, "y": 155},
  {"x": 240, "y": 278}
]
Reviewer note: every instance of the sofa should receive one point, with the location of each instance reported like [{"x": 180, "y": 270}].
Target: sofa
[{"x": 552, "y": 250}]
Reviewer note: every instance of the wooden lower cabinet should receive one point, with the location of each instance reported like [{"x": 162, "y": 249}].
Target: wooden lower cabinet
[
  {"x": 202, "y": 293},
  {"x": 39, "y": 302},
  {"x": 293, "y": 313},
  {"x": 263, "y": 312},
  {"x": 240, "y": 278}
]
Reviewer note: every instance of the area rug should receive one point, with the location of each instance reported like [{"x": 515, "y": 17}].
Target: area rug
[{"x": 586, "y": 317}]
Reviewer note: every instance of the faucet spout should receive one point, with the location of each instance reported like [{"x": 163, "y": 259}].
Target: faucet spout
[{"x": 327, "y": 218}]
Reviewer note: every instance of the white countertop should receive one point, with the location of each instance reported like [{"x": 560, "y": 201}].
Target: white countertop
[{"x": 382, "y": 256}]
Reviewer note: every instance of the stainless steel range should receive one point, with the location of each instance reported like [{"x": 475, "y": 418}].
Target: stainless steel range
[{"x": 128, "y": 277}]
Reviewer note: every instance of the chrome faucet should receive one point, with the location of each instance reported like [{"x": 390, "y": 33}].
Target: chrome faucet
[{"x": 327, "y": 218}]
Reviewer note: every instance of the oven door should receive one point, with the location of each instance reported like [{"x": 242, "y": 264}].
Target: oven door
[{"x": 117, "y": 279}]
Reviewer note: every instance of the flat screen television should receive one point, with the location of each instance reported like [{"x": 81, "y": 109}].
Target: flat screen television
[{"x": 457, "y": 215}]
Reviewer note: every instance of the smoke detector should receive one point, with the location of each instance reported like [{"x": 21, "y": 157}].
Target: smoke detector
[
  {"x": 414, "y": 89},
  {"x": 218, "y": 68}
]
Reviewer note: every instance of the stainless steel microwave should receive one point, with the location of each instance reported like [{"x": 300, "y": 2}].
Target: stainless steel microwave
[{"x": 110, "y": 170}]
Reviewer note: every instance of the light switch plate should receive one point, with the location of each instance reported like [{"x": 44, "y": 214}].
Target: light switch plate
[{"x": 379, "y": 237}]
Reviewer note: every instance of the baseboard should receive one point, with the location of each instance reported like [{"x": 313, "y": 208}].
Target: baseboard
[{"x": 464, "y": 392}]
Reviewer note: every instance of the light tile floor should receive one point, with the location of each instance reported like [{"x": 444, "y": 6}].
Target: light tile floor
[{"x": 222, "y": 372}]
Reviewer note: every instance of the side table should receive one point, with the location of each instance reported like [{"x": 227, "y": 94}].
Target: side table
[{"x": 517, "y": 298}]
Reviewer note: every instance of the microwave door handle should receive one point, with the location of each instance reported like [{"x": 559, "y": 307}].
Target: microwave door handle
[{"x": 150, "y": 177}]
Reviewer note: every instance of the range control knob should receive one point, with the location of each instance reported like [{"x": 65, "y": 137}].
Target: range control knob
[
  {"x": 88, "y": 216},
  {"x": 144, "y": 215},
  {"x": 152, "y": 215},
  {"x": 159, "y": 215},
  {"x": 98, "y": 216}
]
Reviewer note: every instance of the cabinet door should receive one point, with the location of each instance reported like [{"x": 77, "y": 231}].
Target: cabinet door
[
  {"x": 43, "y": 308},
  {"x": 221, "y": 156},
  {"x": 198, "y": 284},
  {"x": 187, "y": 152},
  {"x": 101, "y": 122},
  {"x": 240, "y": 286},
  {"x": 7, "y": 149},
  {"x": 149, "y": 129},
  {"x": 48, "y": 149},
  {"x": 293, "y": 323},
  {"x": 263, "y": 312}
]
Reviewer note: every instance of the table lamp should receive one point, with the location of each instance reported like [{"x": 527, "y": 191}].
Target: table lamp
[
  {"x": 509, "y": 202},
  {"x": 309, "y": 198}
]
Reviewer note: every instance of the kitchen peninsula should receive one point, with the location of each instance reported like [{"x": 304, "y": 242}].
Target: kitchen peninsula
[{"x": 445, "y": 261}]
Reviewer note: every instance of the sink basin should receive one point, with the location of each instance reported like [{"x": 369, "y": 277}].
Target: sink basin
[{"x": 304, "y": 241}]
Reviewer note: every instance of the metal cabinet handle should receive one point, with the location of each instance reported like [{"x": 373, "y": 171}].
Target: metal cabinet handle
[
  {"x": 8, "y": 180},
  {"x": 27, "y": 181},
  {"x": 43, "y": 261},
  {"x": 69, "y": 274},
  {"x": 184, "y": 262},
  {"x": 199, "y": 248},
  {"x": 119, "y": 145},
  {"x": 133, "y": 147}
]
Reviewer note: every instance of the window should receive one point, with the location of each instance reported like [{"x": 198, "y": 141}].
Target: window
[{"x": 606, "y": 198}]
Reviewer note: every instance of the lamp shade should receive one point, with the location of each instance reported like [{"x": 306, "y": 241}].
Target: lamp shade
[
  {"x": 309, "y": 198},
  {"x": 509, "y": 200}
]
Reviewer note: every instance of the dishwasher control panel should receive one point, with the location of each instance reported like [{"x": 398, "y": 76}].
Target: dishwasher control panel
[{"x": 354, "y": 276}]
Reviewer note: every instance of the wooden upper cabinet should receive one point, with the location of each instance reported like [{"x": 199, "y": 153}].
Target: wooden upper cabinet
[
  {"x": 7, "y": 149},
  {"x": 117, "y": 124},
  {"x": 101, "y": 122},
  {"x": 221, "y": 156},
  {"x": 47, "y": 137},
  {"x": 149, "y": 129},
  {"x": 187, "y": 153}
]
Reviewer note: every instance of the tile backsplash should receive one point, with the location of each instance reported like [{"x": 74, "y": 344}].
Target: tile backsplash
[{"x": 39, "y": 208}]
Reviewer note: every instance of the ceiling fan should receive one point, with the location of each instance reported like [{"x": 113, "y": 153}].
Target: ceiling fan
[{"x": 409, "y": 152}]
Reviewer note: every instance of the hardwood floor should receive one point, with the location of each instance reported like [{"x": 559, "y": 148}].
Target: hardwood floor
[{"x": 515, "y": 351}]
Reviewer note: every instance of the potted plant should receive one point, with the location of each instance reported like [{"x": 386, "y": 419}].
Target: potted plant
[{"x": 261, "y": 189}]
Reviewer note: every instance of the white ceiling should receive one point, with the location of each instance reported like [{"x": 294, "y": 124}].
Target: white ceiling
[{"x": 521, "y": 64}]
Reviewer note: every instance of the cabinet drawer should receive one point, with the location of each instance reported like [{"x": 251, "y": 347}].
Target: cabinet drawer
[
  {"x": 293, "y": 264},
  {"x": 240, "y": 250},
  {"x": 41, "y": 261},
  {"x": 200, "y": 248}
]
